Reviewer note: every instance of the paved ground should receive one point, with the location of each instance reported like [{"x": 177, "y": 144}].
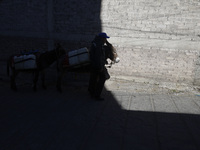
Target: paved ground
[{"x": 133, "y": 116}]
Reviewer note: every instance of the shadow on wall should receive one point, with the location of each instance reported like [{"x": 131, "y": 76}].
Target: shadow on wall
[
  {"x": 76, "y": 21},
  {"x": 38, "y": 24},
  {"x": 77, "y": 17}
]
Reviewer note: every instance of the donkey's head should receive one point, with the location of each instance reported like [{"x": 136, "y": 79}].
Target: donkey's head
[
  {"x": 59, "y": 50},
  {"x": 111, "y": 53}
]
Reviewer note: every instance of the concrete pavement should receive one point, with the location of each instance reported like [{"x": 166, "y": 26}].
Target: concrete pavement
[{"x": 132, "y": 116}]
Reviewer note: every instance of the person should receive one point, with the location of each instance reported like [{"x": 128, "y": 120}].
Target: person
[{"x": 98, "y": 72}]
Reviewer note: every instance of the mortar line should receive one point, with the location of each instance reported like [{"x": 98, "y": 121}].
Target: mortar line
[
  {"x": 152, "y": 102},
  {"x": 87, "y": 136},
  {"x": 172, "y": 99},
  {"x": 126, "y": 121},
  {"x": 188, "y": 128},
  {"x": 156, "y": 123}
]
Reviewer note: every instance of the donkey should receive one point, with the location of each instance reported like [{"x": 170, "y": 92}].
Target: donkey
[
  {"x": 110, "y": 53},
  {"x": 43, "y": 60}
]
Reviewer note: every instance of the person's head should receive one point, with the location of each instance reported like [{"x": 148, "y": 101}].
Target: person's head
[{"x": 103, "y": 36}]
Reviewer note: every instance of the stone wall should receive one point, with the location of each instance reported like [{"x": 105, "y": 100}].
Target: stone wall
[
  {"x": 159, "y": 64},
  {"x": 155, "y": 39},
  {"x": 153, "y": 19}
]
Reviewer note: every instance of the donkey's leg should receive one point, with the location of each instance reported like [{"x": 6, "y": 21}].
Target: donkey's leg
[
  {"x": 12, "y": 77},
  {"x": 36, "y": 75},
  {"x": 59, "y": 80},
  {"x": 43, "y": 79}
]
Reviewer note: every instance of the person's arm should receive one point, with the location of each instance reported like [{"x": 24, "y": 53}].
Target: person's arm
[{"x": 108, "y": 44}]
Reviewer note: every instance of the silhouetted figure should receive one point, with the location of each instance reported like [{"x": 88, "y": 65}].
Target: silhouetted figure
[{"x": 98, "y": 72}]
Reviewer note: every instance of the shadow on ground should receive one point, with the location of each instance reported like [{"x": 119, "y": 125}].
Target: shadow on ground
[{"x": 48, "y": 120}]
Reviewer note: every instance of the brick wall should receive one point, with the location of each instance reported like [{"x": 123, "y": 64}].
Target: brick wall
[
  {"x": 173, "y": 65},
  {"x": 153, "y": 19},
  {"x": 155, "y": 39}
]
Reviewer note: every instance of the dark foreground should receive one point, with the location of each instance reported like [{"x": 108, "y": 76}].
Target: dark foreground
[{"x": 48, "y": 120}]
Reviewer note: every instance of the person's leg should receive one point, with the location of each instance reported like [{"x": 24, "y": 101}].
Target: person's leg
[
  {"x": 92, "y": 82},
  {"x": 100, "y": 84}
]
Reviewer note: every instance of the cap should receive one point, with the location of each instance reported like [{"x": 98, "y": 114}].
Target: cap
[{"x": 103, "y": 35}]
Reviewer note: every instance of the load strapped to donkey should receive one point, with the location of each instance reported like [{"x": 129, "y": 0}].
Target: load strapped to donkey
[
  {"x": 77, "y": 58},
  {"x": 25, "y": 60}
]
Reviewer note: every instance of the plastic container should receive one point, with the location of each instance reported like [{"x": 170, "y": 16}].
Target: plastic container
[
  {"x": 78, "y": 57},
  {"x": 24, "y": 62}
]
